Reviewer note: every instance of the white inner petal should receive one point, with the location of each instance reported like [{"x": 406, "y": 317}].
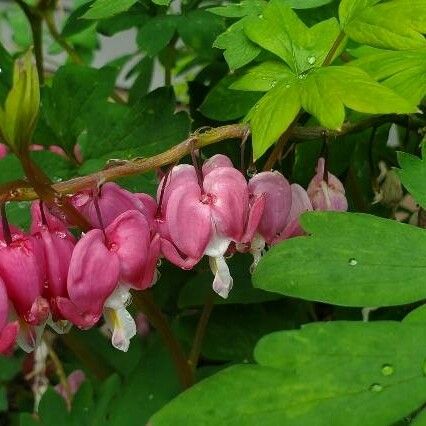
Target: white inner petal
[
  {"x": 223, "y": 282},
  {"x": 122, "y": 327}
]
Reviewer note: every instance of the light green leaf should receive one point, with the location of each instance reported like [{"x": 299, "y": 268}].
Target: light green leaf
[
  {"x": 358, "y": 91},
  {"x": 272, "y": 115},
  {"x": 413, "y": 175},
  {"x": 263, "y": 77},
  {"x": 349, "y": 259},
  {"x": 283, "y": 33},
  {"x": 224, "y": 104},
  {"x": 306, "y": 4},
  {"x": 239, "y": 50},
  {"x": 396, "y": 24},
  {"x": 101, "y": 9},
  {"x": 402, "y": 71},
  {"x": 337, "y": 373},
  {"x": 323, "y": 92}
]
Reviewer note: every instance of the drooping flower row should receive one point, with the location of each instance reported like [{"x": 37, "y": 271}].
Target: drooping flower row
[{"x": 47, "y": 276}]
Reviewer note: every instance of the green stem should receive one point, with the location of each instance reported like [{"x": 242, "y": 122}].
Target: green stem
[
  {"x": 146, "y": 304},
  {"x": 200, "y": 332},
  {"x": 330, "y": 55},
  {"x": 36, "y": 24}
]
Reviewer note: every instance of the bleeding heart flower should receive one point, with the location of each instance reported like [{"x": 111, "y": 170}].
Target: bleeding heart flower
[
  {"x": 92, "y": 277},
  {"x": 58, "y": 245},
  {"x": 325, "y": 191},
  {"x": 275, "y": 191},
  {"x": 103, "y": 267},
  {"x": 8, "y": 330},
  {"x": 201, "y": 215}
]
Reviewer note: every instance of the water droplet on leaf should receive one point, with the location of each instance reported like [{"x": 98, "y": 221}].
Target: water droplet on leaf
[
  {"x": 353, "y": 261},
  {"x": 260, "y": 16},
  {"x": 376, "y": 387},
  {"x": 387, "y": 370},
  {"x": 311, "y": 60}
]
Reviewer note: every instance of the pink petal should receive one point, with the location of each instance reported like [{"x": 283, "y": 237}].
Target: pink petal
[
  {"x": 277, "y": 193},
  {"x": 8, "y": 337},
  {"x": 129, "y": 237},
  {"x": 218, "y": 160},
  {"x": 93, "y": 273},
  {"x": 22, "y": 268},
  {"x": 189, "y": 221},
  {"x": 173, "y": 255},
  {"x": 255, "y": 215},
  {"x": 227, "y": 189},
  {"x": 300, "y": 204},
  {"x": 149, "y": 274}
]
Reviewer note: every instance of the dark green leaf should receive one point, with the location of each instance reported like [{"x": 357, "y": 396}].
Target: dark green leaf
[
  {"x": 350, "y": 259},
  {"x": 413, "y": 174},
  {"x": 101, "y": 9},
  {"x": 224, "y": 104},
  {"x": 342, "y": 374},
  {"x": 156, "y": 34}
]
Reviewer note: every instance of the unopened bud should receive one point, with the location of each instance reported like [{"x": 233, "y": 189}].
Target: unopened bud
[{"x": 18, "y": 116}]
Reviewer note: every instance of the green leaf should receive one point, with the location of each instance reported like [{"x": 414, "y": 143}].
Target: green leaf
[
  {"x": 156, "y": 34},
  {"x": 323, "y": 92},
  {"x": 413, "y": 175},
  {"x": 198, "y": 30},
  {"x": 272, "y": 115},
  {"x": 283, "y": 33},
  {"x": 396, "y": 24},
  {"x": 9, "y": 368},
  {"x": 306, "y": 4},
  {"x": 238, "y": 49},
  {"x": 402, "y": 71},
  {"x": 101, "y": 9},
  {"x": 6, "y": 66},
  {"x": 416, "y": 315},
  {"x": 263, "y": 77},
  {"x": 52, "y": 407},
  {"x": 147, "y": 128},
  {"x": 224, "y": 104},
  {"x": 162, "y": 2},
  {"x": 336, "y": 373},
  {"x": 349, "y": 259},
  {"x": 239, "y": 10},
  {"x": 420, "y": 419},
  {"x": 74, "y": 24},
  {"x": 74, "y": 99}
]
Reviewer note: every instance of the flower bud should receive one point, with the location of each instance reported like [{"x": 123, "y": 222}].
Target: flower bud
[
  {"x": 19, "y": 115},
  {"x": 325, "y": 191}
]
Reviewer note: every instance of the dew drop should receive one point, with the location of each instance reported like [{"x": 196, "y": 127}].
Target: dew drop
[
  {"x": 376, "y": 387},
  {"x": 159, "y": 262},
  {"x": 58, "y": 201},
  {"x": 150, "y": 396},
  {"x": 311, "y": 60},
  {"x": 353, "y": 262},
  {"x": 61, "y": 235},
  {"x": 287, "y": 86},
  {"x": 260, "y": 16},
  {"x": 387, "y": 370},
  {"x": 1, "y": 70},
  {"x": 273, "y": 83}
]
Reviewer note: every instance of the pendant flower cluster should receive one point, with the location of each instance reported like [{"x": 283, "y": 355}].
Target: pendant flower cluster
[{"x": 48, "y": 276}]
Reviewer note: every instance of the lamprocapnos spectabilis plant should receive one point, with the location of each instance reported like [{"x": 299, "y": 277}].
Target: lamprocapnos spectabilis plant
[{"x": 173, "y": 218}]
